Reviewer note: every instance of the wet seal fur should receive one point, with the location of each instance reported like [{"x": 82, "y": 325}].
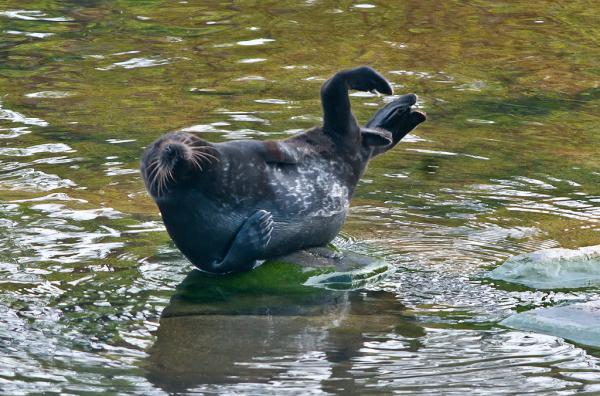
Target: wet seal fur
[{"x": 227, "y": 205}]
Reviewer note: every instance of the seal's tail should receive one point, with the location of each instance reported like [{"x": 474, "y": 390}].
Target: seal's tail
[{"x": 398, "y": 117}]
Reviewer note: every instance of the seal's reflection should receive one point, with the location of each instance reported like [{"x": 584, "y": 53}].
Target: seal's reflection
[{"x": 262, "y": 325}]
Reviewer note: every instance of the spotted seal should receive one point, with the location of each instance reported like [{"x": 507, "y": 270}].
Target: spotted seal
[{"x": 227, "y": 205}]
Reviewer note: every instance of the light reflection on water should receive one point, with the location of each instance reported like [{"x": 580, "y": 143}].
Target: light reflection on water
[{"x": 506, "y": 164}]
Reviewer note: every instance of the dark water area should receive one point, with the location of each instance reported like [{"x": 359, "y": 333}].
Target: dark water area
[{"x": 506, "y": 164}]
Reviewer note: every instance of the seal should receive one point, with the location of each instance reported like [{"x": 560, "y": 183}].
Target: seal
[{"x": 228, "y": 205}]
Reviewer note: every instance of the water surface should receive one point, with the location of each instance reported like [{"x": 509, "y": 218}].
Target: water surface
[{"x": 506, "y": 164}]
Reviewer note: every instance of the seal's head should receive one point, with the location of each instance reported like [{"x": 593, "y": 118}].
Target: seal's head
[{"x": 172, "y": 159}]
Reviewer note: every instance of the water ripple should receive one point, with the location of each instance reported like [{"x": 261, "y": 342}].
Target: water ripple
[
  {"x": 32, "y": 180},
  {"x": 13, "y": 132},
  {"x": 135, "y": 63},
  {"x": 259, "y": 41},
  {"x": 41, "y": 148},
  {"x": 39, "y": 35},
  {"x": 31, "y": 15},
  {"x": 514, "y": 360},
  {"x": 13, "y": 116},
  {"x": 49, "y": 94}
]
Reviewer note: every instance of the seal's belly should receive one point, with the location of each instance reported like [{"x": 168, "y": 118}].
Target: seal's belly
[
  {"x": 310, "y": 190},
  {"x": 294, "y": 193},
  {"x": 308, "y": 203},
  {"x": 200, "y": 228},
  {"x": 310, "y": 232},
  {"x": 205, "y": 235}
]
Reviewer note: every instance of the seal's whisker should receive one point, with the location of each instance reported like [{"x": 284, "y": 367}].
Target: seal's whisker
[
  {"x": 205, "y": 155},
  {"x": 202, "y": 145},
  {"x": 165, "y": 178},
  {"x": 161, "y": 184},
  {"x": 205, "y": 147},
  {"x": 151, "y": 165},
  {"x": 196, "y": 162},
  {"x": 153, "y": 176},
  {"x": 201, "y": 158},
  {"x": 210, "y": 156},
  {"x": 151, "y": 170},
  {"x": 199, "y": 154},
  {"x": 157, "y": 187},
  {"x": 157, "y": 179}
]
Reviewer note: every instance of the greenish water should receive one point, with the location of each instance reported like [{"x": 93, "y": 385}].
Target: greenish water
[{"x": 506, "y": 164}]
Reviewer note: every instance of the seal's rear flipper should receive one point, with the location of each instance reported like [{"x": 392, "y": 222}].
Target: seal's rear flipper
[
  {"x": 248, "y": 244},
  {"x": 398, "y": 117},
  {"x": 337, "y": 115},
  {"x": 388, "y": 116},
  {"x": 375, "y": 137}
]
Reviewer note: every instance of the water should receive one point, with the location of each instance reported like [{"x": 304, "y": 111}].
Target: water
[{"x": 507, "y": 164}]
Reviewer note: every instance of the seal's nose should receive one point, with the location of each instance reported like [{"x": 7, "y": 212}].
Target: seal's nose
[{"x": 171, "y": 153}]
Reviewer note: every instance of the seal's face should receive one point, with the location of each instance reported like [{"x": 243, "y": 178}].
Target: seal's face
[{"x": 172, "y": 159}]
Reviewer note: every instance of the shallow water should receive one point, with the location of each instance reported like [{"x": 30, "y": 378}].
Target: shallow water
[{"x": 506, "y": 164}]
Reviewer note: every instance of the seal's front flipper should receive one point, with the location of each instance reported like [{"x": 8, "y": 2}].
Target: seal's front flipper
[
  {"x": 276, "y": 152},
  {"x": 366, "y": 79},
  {"x": 248, "y": 245},
  {"x": 398, "y": 117},
  {"x": 337, "y": 115}
]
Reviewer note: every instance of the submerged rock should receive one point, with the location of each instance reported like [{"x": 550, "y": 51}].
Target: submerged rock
[
  {"x": 302, "y": 283},
  {"x": 579, "y": 323},
  {"x": 552, "y": 269},
  {"x": 340, "y": 270}
]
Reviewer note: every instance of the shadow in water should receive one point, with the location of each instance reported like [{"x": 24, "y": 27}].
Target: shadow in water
[{"x": 265, "y": 325}]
